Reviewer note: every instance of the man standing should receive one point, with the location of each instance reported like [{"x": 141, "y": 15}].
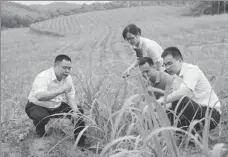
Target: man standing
[
  {"x": 53, "y": 92},
  {"x": 194, "y": 94}
]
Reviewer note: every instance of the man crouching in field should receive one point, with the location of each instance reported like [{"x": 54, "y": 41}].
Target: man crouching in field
[
  {"x": 190, "y": 108},
  {"x": 157, "y": 81},
  {"x": 53, "y": 92},
  {"x": 194, "y": 94}
]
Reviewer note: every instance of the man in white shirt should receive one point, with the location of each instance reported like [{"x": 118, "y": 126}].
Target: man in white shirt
[
  {"x": 53, "y": 92},
  {"x": 143, "y": 47},
  {"x": 194, "y": 93}
]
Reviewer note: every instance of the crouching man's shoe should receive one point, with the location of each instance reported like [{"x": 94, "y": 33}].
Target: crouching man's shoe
[
  {"x": 82, "y": 141},
  {"x": 40, "y": 132}
]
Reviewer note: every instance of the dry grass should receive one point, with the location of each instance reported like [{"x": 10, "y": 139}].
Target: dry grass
[{"x": 115, "y": 122}]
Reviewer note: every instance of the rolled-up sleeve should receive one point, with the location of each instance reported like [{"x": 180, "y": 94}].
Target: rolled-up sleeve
[
  {"x": 155, "y": 52},
  {"x": 40, "y": 84}
]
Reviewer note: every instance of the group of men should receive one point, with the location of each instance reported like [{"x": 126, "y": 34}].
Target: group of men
[{"x": 189, "y": 92}]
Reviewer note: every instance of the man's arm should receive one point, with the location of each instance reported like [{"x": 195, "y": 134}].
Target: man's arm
[
  {"x": 153, "y": 89},
  {"x": 169, "y": 80},
  {"x": 130, "y": 68},
  {"x": 71, "y": 99},
  {"x": 155, "y": 51},
  {"x": 133, "y": 65},
  {"x": 159, "y": 65},
  {"x": 42, "y": 94},
  {"x": 178, "y": 94},
  {"x": 187, "y": 87},
  {"x": 40, "y": 87},
  {"x": 46, "y": 95}
]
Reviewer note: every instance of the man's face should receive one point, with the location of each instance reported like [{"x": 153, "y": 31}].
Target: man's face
[
  {"x": 146, "y": 70},
  {"x": 63, "y": 68},
  {"x": 172, "y": 65},
  {"x": 132, "y": 39}
]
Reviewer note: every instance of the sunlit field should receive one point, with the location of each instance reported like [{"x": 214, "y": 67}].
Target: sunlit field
[{"x": 118, "y": 123}]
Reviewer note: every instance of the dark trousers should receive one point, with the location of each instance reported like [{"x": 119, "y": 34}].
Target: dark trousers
[
  {"x": 192, "y": 111},
  {"x": 41, "y": 116}
]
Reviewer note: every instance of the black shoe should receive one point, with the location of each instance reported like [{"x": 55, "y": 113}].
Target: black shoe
[
  {"x": 40, "y": 132},
  {"x": 81, "y": 142},
  {"x": 191, "y": 143}
]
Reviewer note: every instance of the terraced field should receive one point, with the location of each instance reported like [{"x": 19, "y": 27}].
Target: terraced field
[
  {"x": 94, "y": 41},
  {"x": 100, "y": 32}
]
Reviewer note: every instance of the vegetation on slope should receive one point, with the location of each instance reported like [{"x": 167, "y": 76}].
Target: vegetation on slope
[{"x": 18, "y": 15}]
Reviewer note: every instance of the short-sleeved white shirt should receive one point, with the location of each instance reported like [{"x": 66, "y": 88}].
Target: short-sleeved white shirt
[
  {"x": 47, "y": 81},
  {"x": 150, "y": 49},
  {"x": 201, "y": 88}
]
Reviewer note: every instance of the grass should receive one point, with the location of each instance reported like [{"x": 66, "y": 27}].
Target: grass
[{"x": 118, "y": 123}]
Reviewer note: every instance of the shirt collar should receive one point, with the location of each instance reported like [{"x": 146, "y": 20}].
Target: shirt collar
[
  {"x": 53, "y": 76},
  {"x": 140, "y": 44},
  {"x": 183, "y": 69}
]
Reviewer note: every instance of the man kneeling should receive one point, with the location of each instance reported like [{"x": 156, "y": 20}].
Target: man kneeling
[
  {"x": 53, "y": 92},
  {"x": 193, "y": 96},
  {"x": 187, "y": 108}
]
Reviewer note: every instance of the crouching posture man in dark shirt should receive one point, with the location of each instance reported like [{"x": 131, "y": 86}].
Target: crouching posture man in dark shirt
[{"x": 189, "y": 108}]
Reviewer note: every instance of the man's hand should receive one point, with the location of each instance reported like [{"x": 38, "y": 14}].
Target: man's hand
[
  {"x": 48, "y": 95},
  {"x": 157, "y": 90},
  {"x": 127, "y": 73},
  {"x": 168, "y": 106},
  {"x": 151, "y": 89},
  {"x": 161, "y": 100},
  {"x": 149, "y": 74}
]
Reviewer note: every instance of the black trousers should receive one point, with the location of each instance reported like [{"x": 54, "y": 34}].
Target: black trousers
[
  {"x": 192, "y": 111},
  {"x": 41, "y": 116}
]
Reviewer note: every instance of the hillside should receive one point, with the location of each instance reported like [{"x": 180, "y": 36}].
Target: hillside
[
  {"x": 18, "y": 15},
  {"x": 56, "y": 5}
]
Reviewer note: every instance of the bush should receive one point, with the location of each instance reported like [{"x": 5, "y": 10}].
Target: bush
[{"x": 208, "y": 8}]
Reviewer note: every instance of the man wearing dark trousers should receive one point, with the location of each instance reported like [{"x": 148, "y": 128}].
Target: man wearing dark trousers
[
  {"x": 194, "y": 93},
  {"x": 53, "y": 92},
  {"x": 189, "y": 107}
]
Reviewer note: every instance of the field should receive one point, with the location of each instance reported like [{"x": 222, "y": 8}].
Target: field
[{"x": 100, "y": 55}]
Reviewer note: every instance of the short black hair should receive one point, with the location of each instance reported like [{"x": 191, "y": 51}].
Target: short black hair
[
  {"x": 131, "y": 28},
  {"x": 144, "y": 60},
  {"x": 62, "y": 57},
  {"x": 173, "y": 51}
]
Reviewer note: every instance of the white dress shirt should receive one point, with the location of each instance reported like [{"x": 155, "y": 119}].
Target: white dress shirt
[{"x": 47, "y": 81}]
